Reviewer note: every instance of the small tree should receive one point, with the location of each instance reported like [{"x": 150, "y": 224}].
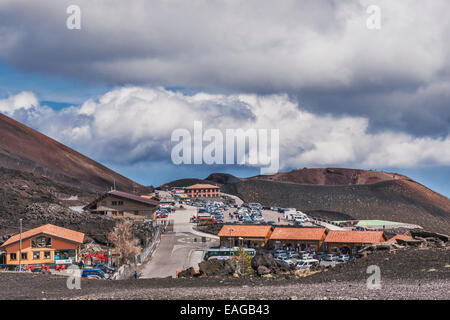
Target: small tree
[
  {"x": 243, "y": 261},
  {"x": 123, "y": 240}
]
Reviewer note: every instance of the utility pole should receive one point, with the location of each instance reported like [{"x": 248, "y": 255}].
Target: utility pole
[
  {"x": 20, "y": 246},
  {"x": 231, "y": 230}
]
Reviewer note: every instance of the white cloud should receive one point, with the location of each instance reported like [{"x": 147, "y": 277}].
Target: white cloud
[
  {"x": 24, "y": 100},
  {"x": 134, "y": 124},
  {"x": 320, "y": 51}
]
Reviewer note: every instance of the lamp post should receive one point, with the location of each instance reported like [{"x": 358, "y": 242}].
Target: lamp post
[
  {"x": 241, "y": 240},
  {"x": 20, "y": 246},
  {"x": 231, "y": 230}
]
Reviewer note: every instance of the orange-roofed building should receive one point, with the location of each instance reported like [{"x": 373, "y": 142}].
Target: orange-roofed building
[
  {"x": 299, "y": 238},
  {"x": 399, "y": 236},
  {"x": 350, "y": 241},
  {"x": 47, "y": 244},
  {"x": 249, "y": 236},
  {"x": 202, "y": 191}
]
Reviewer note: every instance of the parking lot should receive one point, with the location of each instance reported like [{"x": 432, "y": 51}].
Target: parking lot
[{"x": 209, "y": 211}]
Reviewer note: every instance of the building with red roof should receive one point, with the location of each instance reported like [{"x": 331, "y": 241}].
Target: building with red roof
[
  {"x": 250, "y": 236},
  {"x": 301, "y": 238},
  {"x": 46, "y": 244},
  {"x": 349, "y": 241},
  {"x": 202, "y": 191}
]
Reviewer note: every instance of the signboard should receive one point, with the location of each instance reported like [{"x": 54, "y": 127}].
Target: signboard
[{"x": 66, "y": 261}]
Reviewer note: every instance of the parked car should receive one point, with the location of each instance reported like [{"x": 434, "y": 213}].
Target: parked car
[
  {"x": 319, "y": 255},
  {"x": 306, "y": 256},
  {"x": 293, "y": 254},
  {"x": 286, "y": 260},
  {"x": 104, "y": 268},
  {"x": 94, "y": 274},
  {"x": 305, "y": 264},
  {"x": 330, "y": 257},
  {"x": 281, "y": 255},
  {"x": 343, "y": 258}
]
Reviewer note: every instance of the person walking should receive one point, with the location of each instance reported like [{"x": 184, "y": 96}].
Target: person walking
[{"x": 135, "y": 274}]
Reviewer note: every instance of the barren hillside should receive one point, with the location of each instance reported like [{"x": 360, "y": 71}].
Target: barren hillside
[
  {"x": 25, "y": 149},
  {"x": 342, "y": 194}
]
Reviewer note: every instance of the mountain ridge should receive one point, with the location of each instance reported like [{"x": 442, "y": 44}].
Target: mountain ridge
[
  {"x": 382, "y": 196},
  {"x": 25, "y": 149}
]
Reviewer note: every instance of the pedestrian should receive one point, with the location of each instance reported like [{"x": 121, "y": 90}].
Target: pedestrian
[
  {"x": 135, "y": 274},
  {"x": 278, "y": 219}
]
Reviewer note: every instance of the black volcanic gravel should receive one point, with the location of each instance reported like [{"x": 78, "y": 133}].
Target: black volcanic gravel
[{"x": 405, "y": 274}]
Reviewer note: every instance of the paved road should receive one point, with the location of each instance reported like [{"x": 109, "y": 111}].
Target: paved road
[
  {"x": 178, "y": 249},
  {"x": 238, "y": 200},
  {"x": 330, "y": 226}
]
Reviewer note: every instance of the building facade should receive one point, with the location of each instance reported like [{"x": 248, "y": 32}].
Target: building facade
[
  {"x": 299, "y": 239},
  {"x": 249, "y": 236},
  {"x": 350, "y": 241},
  {"x": 121, "y": 204},
  {"x": 48, "y": 244},
  {"x": 202, "y": 191}
]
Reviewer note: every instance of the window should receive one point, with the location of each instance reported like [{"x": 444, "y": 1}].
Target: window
[
  {"x": 12, "y": 256},
  {"x": 36, "y": 255},
  {"x": 114, "y": 203},
  {"x": 47, "y": 255},
  {"x": 25, "y": 256},
  {"x": 41, "y": 242}
]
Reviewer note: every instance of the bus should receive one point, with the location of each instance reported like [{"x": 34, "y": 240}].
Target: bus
[
  {"x": 225, "y": 253},
  {"x": 205, "y": 221}
]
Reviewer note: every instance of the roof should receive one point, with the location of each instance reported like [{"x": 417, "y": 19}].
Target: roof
[
  {"x": 50, "y": 230},
  {"x": 399, "y": 236},
  {"x": 297, "y": 233},
  {"x": 124, "y": 195},
  {"x": 130, "y": 196},
  {"x": 250, "y": 231},
  {"x": 350, "y": 236},
  {"x": 202, "y": 186}
]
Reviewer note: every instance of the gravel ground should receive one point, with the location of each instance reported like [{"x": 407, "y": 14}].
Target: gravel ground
[
  {"x": 405, "y": 274},
  {"x": 336, "y": 291}
]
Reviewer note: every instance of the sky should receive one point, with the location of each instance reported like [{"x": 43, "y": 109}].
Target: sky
[{"x": 339, "y": 93}]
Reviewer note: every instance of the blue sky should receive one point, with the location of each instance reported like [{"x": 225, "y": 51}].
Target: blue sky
[{"x": 341, "y": 95}]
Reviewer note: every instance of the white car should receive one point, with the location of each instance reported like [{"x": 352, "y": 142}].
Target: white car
[
  {"x": 330, "y": 257},
  {"x": 286, "y": 260},
  {"x": 343, "y": 258},
  {"x": 306, "y": 264},
  {"x": 306, "y": 256}
]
